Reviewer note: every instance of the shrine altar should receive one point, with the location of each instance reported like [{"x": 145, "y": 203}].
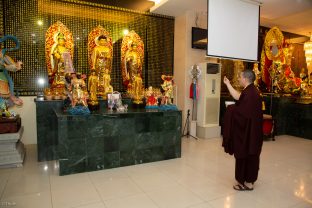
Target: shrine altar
[{"x": 106, "y": 139}]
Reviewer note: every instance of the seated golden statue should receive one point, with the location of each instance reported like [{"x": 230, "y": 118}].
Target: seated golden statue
[
  {"x": 59, "y": 53},
  {"x": 132, "y": 50},
  {"x": 78, "y": 91}
]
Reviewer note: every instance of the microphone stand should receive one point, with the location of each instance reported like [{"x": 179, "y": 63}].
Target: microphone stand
[{"x": 187, "y": 127}]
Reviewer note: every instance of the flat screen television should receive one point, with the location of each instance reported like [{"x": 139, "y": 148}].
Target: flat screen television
[{"x": 199, "y": 38}]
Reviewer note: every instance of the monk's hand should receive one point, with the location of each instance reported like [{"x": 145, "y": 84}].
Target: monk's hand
[{"x": 226, "y": 80}]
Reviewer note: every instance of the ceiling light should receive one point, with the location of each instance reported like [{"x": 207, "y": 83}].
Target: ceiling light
[
  {"x": 41, "y": 81},
  {"x": 40, "y": 22},
  {"x": 156, "y": 1},
  {"x": 125, "y": 31}
]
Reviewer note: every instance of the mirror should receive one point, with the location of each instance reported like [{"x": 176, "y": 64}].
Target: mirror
[{"x": 274, "y": 49}]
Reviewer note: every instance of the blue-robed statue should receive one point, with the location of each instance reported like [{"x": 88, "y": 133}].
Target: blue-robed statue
[{"x": 7, "y": 97}]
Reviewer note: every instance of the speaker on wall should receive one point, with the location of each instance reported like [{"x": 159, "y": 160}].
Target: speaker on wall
[{"x": 212, "y": 68}]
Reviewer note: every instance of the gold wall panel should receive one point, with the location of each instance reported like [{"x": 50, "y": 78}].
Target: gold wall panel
[{"x": 20, "y": 18}]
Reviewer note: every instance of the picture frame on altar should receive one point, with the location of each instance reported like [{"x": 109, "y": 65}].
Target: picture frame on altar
[
  {"x": 113, "y": 96},
  {"x": 113, "y": 99}
]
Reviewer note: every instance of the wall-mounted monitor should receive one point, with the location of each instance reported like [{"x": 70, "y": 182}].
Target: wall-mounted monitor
[{"x": 199, "y": 38}]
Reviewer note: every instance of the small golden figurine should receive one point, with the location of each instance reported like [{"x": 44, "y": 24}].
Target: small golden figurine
[
  {"x": 100, "y": 51},
  {"x": 93, "y": 82},
  {"x": 132, "y": 50}
]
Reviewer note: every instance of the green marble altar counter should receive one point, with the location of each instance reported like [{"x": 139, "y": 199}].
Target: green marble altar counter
[
  {"x": 47, "y": 129},
  {"x": 106, "y": 139},
  {"x": 47, "y": 126}
]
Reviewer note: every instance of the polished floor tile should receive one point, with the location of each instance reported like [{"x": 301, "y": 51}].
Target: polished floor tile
[
  {"x": 141, "y": 200},
  {"x": 202, "y": 178},
  {"x": 72, "y": 191},
  {"x": 93, "y": 205},
  {"x": 153, "y": 181},
  {"x": 4, "y": 177},
  {"x": 236, "y": 201},
  {"x": 33, "y": 200},
  {"x": 119, "y": 188},
  {"x": 174, "y": 197}
]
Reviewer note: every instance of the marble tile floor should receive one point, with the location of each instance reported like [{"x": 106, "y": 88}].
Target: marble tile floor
[{"x": 202, "y": 178}]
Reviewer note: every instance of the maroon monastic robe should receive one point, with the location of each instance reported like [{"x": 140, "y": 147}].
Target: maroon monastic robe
[{"x": 242, "y": 134}]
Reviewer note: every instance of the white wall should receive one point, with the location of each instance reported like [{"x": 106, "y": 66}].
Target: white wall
[
  {"x": 28, "y": 117},
  {"x": 185, "y": 56}
]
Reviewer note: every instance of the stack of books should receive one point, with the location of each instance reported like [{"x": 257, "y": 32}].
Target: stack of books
[{"x": 12, "y": 150}]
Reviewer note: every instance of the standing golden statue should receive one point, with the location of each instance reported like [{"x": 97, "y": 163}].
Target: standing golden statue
[
  {"x": 238, "y": 68},
  {"x": 93, "y": 82},
  {"x": 100, "y": 56},
  {"x": 132, "y": 56},
  {"x": 59, "y": 49}
]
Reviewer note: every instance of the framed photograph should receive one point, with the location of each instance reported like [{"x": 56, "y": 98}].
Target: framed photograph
[{"x": 113, "y": 96}]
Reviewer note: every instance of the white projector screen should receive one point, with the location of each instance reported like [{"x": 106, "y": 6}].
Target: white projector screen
[{"x": 233, "y": 27}]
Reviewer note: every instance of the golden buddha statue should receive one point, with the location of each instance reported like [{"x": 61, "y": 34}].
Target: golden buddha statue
[
  {"x": 100, "y": 56},
  {"x": 58, "y": 65},
  {"x": 93, "y": 82},
  {"x": 133, "y": 67},
  {"x": 238, "y": 68},
  {"x": 59, "y": 48},
  {"x": 132, "y": 51},
  {"x": 102, "y": 64}
]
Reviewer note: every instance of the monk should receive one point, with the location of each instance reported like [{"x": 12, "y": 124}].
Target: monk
[{"x": 242, "y": 130}]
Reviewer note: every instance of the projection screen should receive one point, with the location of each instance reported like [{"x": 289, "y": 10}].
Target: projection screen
[{"x": 233, "y": 27}]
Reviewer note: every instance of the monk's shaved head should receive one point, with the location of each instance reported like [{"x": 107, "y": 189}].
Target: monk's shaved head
[{"x": 249, "y": 75}]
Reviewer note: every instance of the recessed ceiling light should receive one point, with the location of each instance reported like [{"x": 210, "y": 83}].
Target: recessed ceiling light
[
  {"x": 40, "y": 22},
  {"x": 156, "y": 1},
  {"x": 125, "y": 31}
]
